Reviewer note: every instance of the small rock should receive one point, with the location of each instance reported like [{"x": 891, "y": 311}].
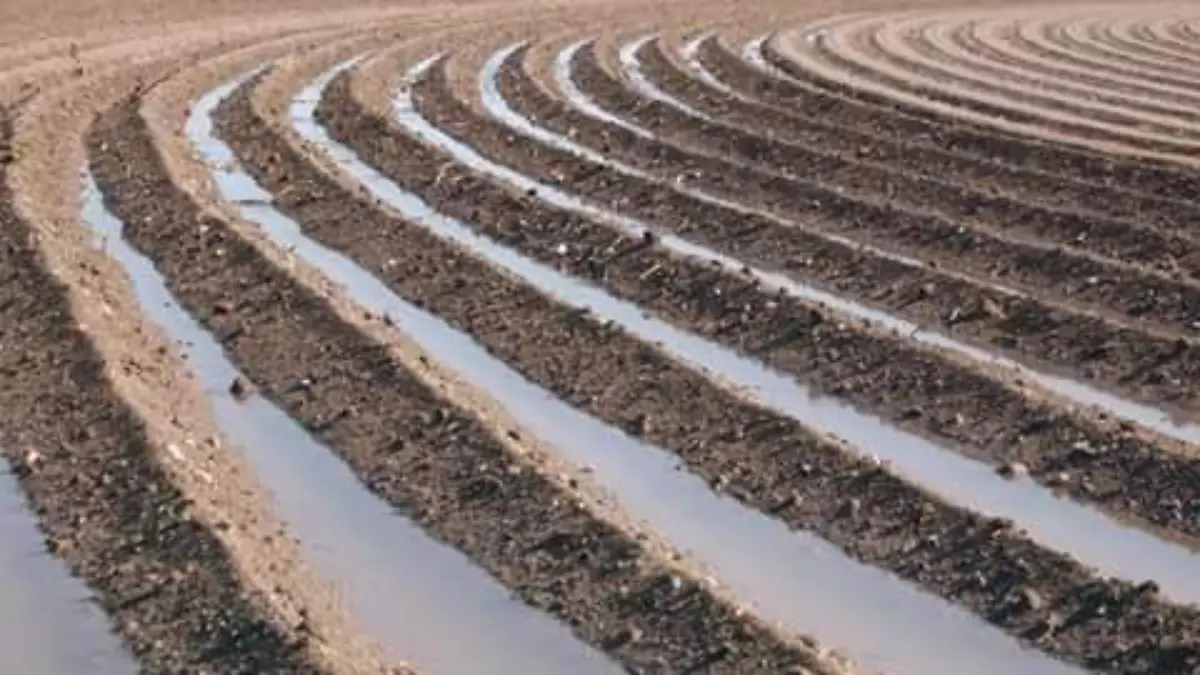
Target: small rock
[
  {"x": 1013, "y": 470},
  {"x": 240, "y": 389},
  {"x": 1058, "y": 479},
  {"x": 1031, "y": 600},
  {"x": 33, "y": 460},
  {"x": 562, "y": 249},
  {"x": 223, "y": 307}
]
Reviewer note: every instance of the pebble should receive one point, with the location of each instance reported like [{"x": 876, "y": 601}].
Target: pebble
[
  {"x": 1013, "y": 470},
  {"x": 240, "y": 389}
]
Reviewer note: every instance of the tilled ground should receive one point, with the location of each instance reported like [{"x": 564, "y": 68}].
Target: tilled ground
[{"x": 894, "y": 165}]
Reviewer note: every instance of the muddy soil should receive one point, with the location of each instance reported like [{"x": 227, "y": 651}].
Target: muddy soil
[
  {"x": 439, "y": 466},
  {"x": 767, "y": 461},
  {"x": 977, "y": 414},
  {"x": 909, "y": 153},
  {"x": 106, "y": 505},
  {"x": 1144, "y": 364},
  {"x": 1132, "y": 293},
  {"x": 1076, "y": 227},
  {"x": 885, "y": 117}
]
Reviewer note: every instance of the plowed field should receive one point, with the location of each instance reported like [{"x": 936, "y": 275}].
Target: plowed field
[{"x": 503, "y": 337}]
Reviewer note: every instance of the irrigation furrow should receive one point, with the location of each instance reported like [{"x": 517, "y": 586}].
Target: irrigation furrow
[
  {"x": 853, "y": 101},
  {"x": 600, "y": 137},
  {"x": 851, "y": 269},
  {"x": 910, "y": 154},
  {"x": 899, "y": 63},
  {"x": 511, "y": 520},
  {"x": 1025, "y": 264},
  {"x": 930, "y": 46},
  {"x": 105, "y": 504},
  {"x": 984, "y": 51},
  {"x": 1094, "y": 233},
  {"x": 700, "y": 452},
  {"x": 598, "y": 337}
]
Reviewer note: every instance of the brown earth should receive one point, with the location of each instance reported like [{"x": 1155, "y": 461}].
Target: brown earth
[{"x": 183, "y": 548}]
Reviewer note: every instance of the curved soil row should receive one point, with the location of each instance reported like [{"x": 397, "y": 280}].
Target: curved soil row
[
  {"x": 441, "y": 466},
  {"x": 1132, "y": 292},
  {"x": 1050, "y": 333},
  {"x": 1090, "y": 231},
  {"x": 1048, "y": 42},
  {"x": 881, "y": 373},
  {"x": 911, "y": 153},
  {"x": 1136, "y": 92},
  {"x": 766, "y": 460},
  {"x": 105, "y": 503},
  {"x": 866, "y": 51},
  {"x": 931, "y": 59},
  {"x": 855, "y": 106}
]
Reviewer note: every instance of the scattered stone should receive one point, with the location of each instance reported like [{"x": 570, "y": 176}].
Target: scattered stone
[
  {"x": 1013, "y": 470},
  {"x": 241, "y": 389}
]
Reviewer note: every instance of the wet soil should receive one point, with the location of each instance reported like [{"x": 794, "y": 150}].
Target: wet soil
[
  {"x": 104, "y": 503},
  {"x": 907, "y": 153},
  {"x": 1079, "y": 227},
  {"x": 1089, "y": 347},
  {"x": 884, "y": 374},
  {"x": 1130, "y": 292},
  {"x": 764, "y": 459},
  {"x": 438, "y": 465},
  {"x": 873, "y": 113}
]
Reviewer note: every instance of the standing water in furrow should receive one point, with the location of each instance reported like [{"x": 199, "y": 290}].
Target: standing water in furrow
[
  {"x": 414, "y": 596},
  {"x": 859, "y": 611},
  {"x": 1112, "y": 547},
  {"x": 48, "y": 623}
]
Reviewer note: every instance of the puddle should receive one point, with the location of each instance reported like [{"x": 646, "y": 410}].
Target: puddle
[
  {"x": 1113, "y": 548},
  {"x": 48, "y": 623},
  {"x": 420, "y": 600},
  {"x": 797, "y": 580},
  {"x": 631, "y": 64},
  {"x": 691, "y": 55},
  {"x": 1074, "y": 391}
]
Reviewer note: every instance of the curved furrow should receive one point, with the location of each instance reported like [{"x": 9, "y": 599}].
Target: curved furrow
[
  {"x": 856, "y": 101},
  {"x": 599, "y": 593},
  {"x": 924, "y": 294},
  {"x": 868, "y": 181},
  {"x": 110, "y": 499},
  {"x": 871, "y": 74},
  {"x": 864, "y": 345},
  {"x": 454, "y": 189},
  {"x": 891, "y": 61},
  {"x": 1174, "y": 36},
  {"x": 1051, "y": 41},
  {"x": 1099, "y": 39},
  {"x": 383, "y": 564},
  {"x": 1074, "y": 277},
  {"x": 908, "y": 152},
  {"x": 831, "y": 377},
  {"x": 925, "y": 69},
  {"x": 986, "y": 51}
]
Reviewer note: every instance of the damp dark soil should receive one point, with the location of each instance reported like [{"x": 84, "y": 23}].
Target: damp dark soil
[
  {"x": 911, "y": 152},
  {"x": 104, "y": 503},
  {"x": 858, "y": 108},
  {"x": 438, "y": 465},
  {"x": 929, "y": 189},
  {"x": 766, "y": 460},
  {"x": 1066, "y": 274},
  {"x": 1143, "y": 365},
  {"x": 885, "y": 374}
]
